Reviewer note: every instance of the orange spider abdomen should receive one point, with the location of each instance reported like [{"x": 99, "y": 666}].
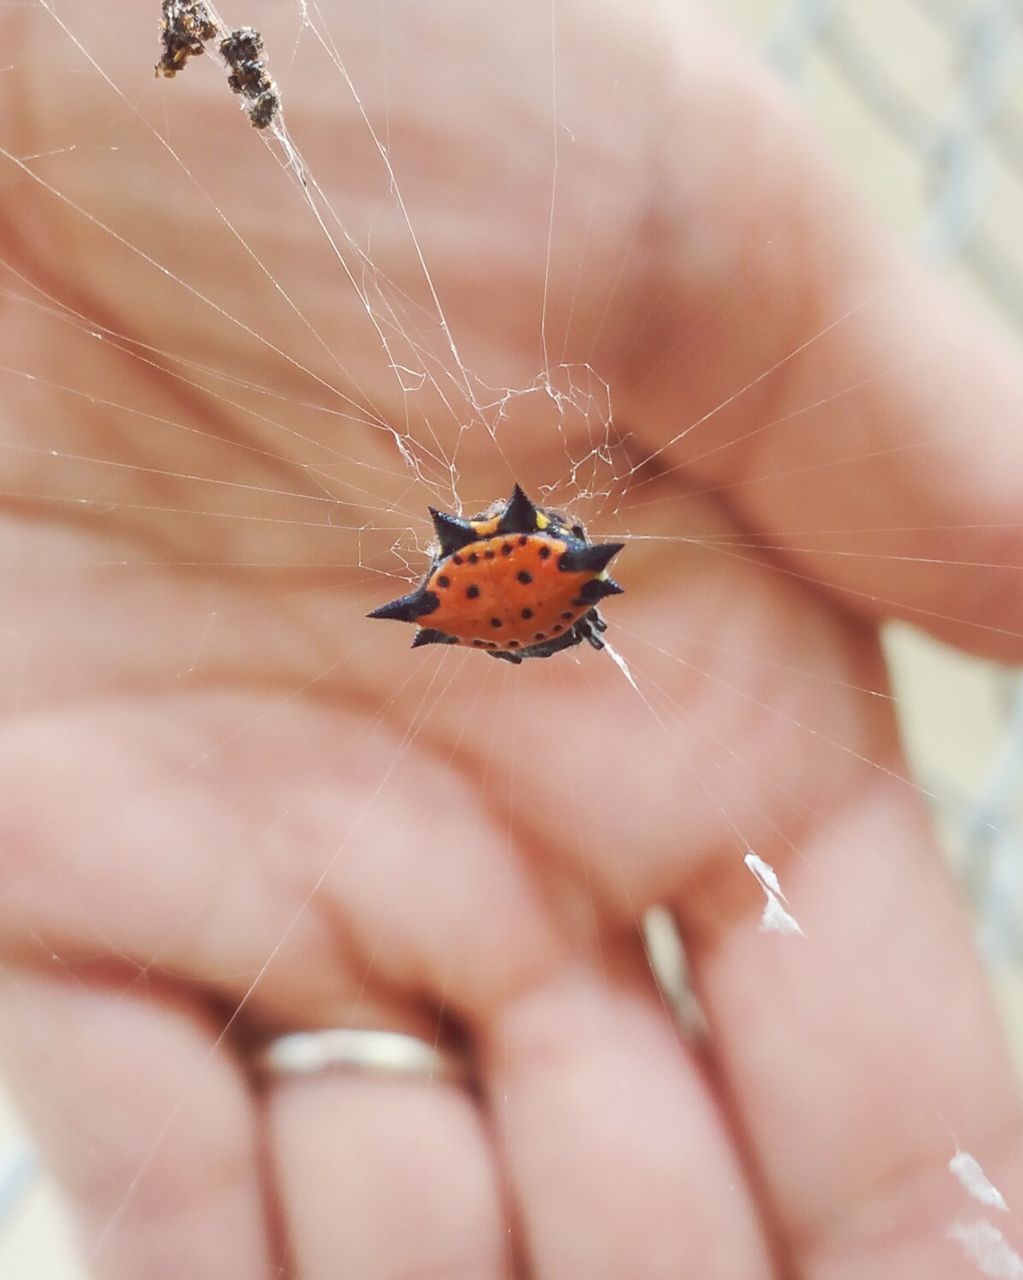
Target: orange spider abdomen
[{"x": 507, "y": 592}]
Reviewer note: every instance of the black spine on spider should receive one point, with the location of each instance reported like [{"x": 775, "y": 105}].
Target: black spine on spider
[
  {"x": 417, "y": 604},
  {"x": 453, "y": 533}
]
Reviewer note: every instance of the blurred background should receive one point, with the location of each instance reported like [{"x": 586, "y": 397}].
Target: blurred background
[{"x": 922, "y": 100}]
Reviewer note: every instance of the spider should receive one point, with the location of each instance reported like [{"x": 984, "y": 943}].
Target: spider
[{"x": 517, "y": 581}]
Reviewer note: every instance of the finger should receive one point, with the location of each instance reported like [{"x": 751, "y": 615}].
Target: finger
[
  {"x": 243, "y": 843},
  {"x": 405, "y": 906},
  {"x": 820, "y": 381},
  {"x": 619, "y": 1162},
  {"x": 146, "y": 1122},
  {"x": 384, "y": 1179},
  {"x": 860, "y": 1057}
]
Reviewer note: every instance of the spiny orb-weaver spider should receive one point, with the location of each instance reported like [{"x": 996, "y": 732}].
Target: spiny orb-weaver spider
[{"x": 517, "y": 581}]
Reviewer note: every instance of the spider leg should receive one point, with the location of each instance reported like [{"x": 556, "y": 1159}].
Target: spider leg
[{"x": 505, "y": 656}]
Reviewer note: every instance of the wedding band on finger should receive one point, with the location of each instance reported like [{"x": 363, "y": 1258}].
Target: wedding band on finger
[{"x": 387, "y": 1054}]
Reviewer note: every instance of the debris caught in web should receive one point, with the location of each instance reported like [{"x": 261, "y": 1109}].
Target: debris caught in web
[
  {"x": 975, "y": 1180},
  {"x": 775, "y": 918},
  {"x": 985, "y": 1246},
  {"x": 186, "y": 27},
  {"x": 185, "y": 30},
  {"x": 242, "y": 50}
]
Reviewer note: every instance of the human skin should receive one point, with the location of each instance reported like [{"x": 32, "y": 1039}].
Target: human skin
[{"x": 232, "y": 802}]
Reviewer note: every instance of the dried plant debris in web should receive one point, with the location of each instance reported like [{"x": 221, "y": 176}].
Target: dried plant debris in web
[
  {"x": 187, "y": 27},
  {"x": 184, "y": 32},
  {"x": 242, "y": 50}
]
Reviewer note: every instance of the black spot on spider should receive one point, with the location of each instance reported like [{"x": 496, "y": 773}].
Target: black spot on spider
[
  {"x": 496, "y": 622},
  {"x": 474, "y": 557},
  {"x": 480, "y": 643},
  {"x": 489, "y": 554},
  {"x": 523, "y": 541},
  {"x": 490, "y": 644},
  {"x": 544, "y": 553},
  {"x": 513, "y": 644},
  {"x": 506, "y": 549},
  {"x": 540, "y": 635},
  {"x": 527, "y": 614},
  {"x": 525, "y": 577},
  {"x": 456, "y": 559},
  {"x": 557, "y": 627},
  {"x": 443, "y": 580},
  {"x": 566, "y": 617},
  {"x": 472, "y": 592}
]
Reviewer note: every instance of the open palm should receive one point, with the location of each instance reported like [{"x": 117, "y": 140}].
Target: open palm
[{"x": 232, "y": 802}]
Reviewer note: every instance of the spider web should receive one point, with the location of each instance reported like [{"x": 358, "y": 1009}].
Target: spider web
[{"x": 216, "y": 466}]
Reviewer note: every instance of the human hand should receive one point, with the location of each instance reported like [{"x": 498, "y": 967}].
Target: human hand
[{"x": 234, "y": 806}]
